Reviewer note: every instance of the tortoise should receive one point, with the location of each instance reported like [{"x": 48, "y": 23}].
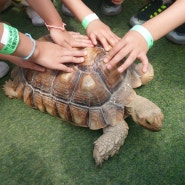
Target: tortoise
[{"x": 91, "y": 96}]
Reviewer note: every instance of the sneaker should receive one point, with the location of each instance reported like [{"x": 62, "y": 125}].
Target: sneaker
[
  {"x": 66, "y": 11},
  {"x": 178, "y": 35},
  {"x": 35, "y": 18},
  {"x": 17, "y": 3},
  {"x": 108, "y": 8},
  {"x": 150, "y": 10},
  {"x": 4, "y": 68}
]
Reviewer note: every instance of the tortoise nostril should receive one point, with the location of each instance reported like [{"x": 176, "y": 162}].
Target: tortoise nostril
[{"x": 148, "y": 122}]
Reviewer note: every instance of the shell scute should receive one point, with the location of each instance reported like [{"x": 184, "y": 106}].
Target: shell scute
[
  {"x": 50, "y": 105},
  {"x": 38, "y": 103},
  {"x": 63, "y": 111},
  {"x": 28, "y": 96},
  {"x": 96, "y": 119},
  {"x": 79, "y": 115},
  {"x": 112, "y": 78},
  {"x": 91, "y": 60},
  {"x": 64, "y": 84},
  {"x": 90, "y": 91},
  {"x": 43, "y": 80},
  {"x": 29, "y": 75},
  {"x": 113, "y": 113},
  {"x": 127, "y": 95}
]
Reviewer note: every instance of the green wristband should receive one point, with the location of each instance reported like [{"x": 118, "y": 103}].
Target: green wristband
[
  {"x": 89, "y": 18},
  {"x": 12, "y": 40},
  {"x": 145, "y": 33}
]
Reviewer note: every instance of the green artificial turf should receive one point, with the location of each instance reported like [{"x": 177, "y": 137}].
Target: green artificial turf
[{"x": 38, "y": 149}]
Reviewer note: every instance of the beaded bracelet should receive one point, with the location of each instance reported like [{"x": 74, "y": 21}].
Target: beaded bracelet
[
  {"x": 62, "y": 28},
  {"x": 10, "y": 39},
  {"x": 145, "y": 33},
  {"x": 33, "y": 49},
  {"x": 89, "y": 18}
]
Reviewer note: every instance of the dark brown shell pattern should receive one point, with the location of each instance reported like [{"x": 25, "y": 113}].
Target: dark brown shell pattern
[{"x": 87, "y": 97}]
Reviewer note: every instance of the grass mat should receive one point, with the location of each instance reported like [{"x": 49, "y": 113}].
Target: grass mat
[{"x": 36, "y": 148}]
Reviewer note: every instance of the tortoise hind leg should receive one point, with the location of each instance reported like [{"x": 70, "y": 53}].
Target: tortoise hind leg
[
  {"x": 12, "y": 90},
  {"x": 135, "y": 76},
  {"x": 9, "y": 90},
  {"x": 110, "y": 142}
]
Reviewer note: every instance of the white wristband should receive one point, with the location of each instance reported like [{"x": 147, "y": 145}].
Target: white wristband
[
  {"x": 145, "y": 33},
  {"x": 89, "y": 18}
]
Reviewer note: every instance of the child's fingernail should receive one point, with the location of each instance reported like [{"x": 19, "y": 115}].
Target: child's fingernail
[
  {"x": 70, "y": 70},
  {"x": 81, "y": 59},
  {"x": 108, "y": 48},
  {"x": 144, "y": 70},
  {"x": 108, "y": 66},
  {"x": 105, "y": 60},
  {"x": 120, "y": 70}
]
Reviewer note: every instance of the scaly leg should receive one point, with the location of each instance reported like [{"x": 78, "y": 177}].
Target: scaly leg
[{"x": 110, "y": 142}]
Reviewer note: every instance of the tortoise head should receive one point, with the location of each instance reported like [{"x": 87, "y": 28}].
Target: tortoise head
[{"x": 146, "y": 114}]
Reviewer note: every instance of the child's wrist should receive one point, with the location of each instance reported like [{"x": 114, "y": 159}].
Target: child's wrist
[
  {"x": 36, "y": 52},
  {"x": 62, "y": 27},
  {"x": 88, "y": 19},
  {"x": 145, "y": 33}
]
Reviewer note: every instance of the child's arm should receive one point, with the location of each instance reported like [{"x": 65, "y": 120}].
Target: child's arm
[
  {"x": 96, "y": 29},
  {"x": 49, "y": 14},
  {"x": 168, "y": 20},
  {"x": 133, "y": 45},
  {"x": 21, "y": 62},
  {"x": 47, "y": 11},
  {"x": 47, "y": 54}
]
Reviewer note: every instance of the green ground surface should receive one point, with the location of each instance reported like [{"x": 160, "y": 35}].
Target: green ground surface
[{"x": 36, "y": 148}]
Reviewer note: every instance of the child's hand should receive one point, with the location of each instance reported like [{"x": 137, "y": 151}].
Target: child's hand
[
  {"x": 54, "y": 56},
  {"x": 131, "y": 47},
  {"x": 69, "y": 39},
  {"x": 97, "y": 30}
]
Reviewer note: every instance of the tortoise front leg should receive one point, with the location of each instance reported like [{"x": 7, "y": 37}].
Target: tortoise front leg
[{"x": 110, "y": 142}]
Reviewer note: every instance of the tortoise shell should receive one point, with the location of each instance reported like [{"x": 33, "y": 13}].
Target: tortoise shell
[{"x": 91, "y": 96}]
